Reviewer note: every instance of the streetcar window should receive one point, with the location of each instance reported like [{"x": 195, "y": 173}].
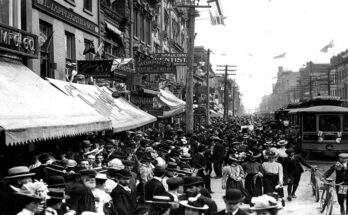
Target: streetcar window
[
  {"x": 309, "y": 123},
  {"x": 345, "y": 123},
  {"x": 329, "y": 123}
]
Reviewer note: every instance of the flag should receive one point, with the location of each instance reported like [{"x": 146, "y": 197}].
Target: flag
[
  {"x": 281, "y": 55},
  {"x": 89, "y": 48},
  {"x": 100, "y": 50},
  {"x": 325, "y": 48},
  {"x": 47, "y": 43}
]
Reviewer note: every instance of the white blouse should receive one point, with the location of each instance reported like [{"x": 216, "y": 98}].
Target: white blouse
[{"x": 274, "y": 168}]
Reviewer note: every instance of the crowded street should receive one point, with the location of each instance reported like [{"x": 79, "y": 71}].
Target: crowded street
[{"x": 173, "y": 107}]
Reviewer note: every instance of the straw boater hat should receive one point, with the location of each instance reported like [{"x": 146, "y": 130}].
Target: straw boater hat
[
  {"x": 195, "y": 203},
  {"x": 264, "y": 202},
  {"x": 18, "y": 172},
  {"x": 343, "y": 155},
  {"x": 185, "y": 156},
  {"x": 55, "y": 193},
  {"x": 282, "y": 142},
  {"x": 160, "y": 200}
]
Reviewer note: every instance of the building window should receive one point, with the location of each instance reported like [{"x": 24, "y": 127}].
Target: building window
[
  {"x": 147, "y": 31},
  {"x": 46, "y": 50},
  {"x": 10, "y": 13},
  {"x": 70, "y": 46},
  {"x": 142, "y": 27},
  {"x": 88, "y": 45},
  {"x": 136, "y": 24},
  {"x": 87, "y": 5}
]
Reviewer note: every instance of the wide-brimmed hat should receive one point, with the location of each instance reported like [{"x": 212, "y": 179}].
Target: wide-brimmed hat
[
  {"x": 55, "y": 193},
  {"x": 115, "y": 164},
  {"x": 160, "y": 200},
  {"x": 88, "y": 172},
  {"x": 159, "y": 169},
  {"x": 18, "y": 172},
  {"x": 234, "y": 157},
  {"x": 101, "y": 176},
  {"x": 86, "y": 143},
  {"x": 185, "y": 156},
  {"x": 256, "y": 154},
  {"x": 128, "y": 162},
  {"x": 195, "y": 203},
  {"x": 55, "y": 169},
  {"x": 56, "y": 181},
  {"x": 215, "y": 138},
  {"x": 269, "y": 143},
  {"x": 233, "y": 196},
  {"x": 264, "y": 202},
  {"x": 343, "y": 155},
  {"x": 28, "y": 195},
  {"x": 282, "y": 142},
  {"x": 71, "y": 163},
  {"x": 119, "y": 154},
  {"x": 124, "y": 173},
  {"x": 271, "y": 154},
  {"x": 147, "y": 157},
  {"x": 172, "y": 166},
  {"x": 175, "y": 152},
  {"x": 192, "y": 181}
]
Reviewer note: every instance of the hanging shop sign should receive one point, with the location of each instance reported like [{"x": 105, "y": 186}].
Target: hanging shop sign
[
  {"x": 155, "y": 67},
  {"x": 16, "y": 41},
  {"x": 59, "y": 11},
  {"x": 177, "y": 59},
  {"x": 95, "y": 68}
]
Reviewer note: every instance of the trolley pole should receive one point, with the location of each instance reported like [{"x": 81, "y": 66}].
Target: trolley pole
[
  {"x": 225, "y": 86},
  {"x": 189, "y": 78},
  {"x": 208, "y": 90}
]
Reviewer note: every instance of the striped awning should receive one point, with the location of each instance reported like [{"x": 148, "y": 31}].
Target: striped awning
[{"x": 31, "y": 109}]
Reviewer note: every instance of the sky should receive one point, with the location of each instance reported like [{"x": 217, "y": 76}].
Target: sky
[{"x": 256, "y": 31}]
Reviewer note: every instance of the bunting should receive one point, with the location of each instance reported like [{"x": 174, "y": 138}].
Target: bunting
[
  {"x": 280, "y": 56},
  {"x": 326, "y": 48}
]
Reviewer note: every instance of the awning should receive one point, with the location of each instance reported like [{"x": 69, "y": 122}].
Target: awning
[
  {"x": 124, "y": 115},
  {"x": 31, "y": 109},
  {"x": 114, "y": 29},
  {"x": 176, "y": 105}
]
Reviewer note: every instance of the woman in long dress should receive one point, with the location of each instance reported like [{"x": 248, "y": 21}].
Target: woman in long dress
[{"x": 233, "y": 174}]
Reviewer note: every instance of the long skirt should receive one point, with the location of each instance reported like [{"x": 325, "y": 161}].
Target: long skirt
[
  {"x": 253, "y": 187},
  {"x": 270, "y": 183}
]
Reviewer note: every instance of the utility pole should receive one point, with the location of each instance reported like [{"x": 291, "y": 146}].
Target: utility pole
[
  {"x": 234, "y": 88},
  {"x": 225, "y": 87},
  {"x": 328, "y": 82},
  {"x": 310, "y": 80},
  {"x": 208, "y": 93},
  {"x": 189, "y": 78}
]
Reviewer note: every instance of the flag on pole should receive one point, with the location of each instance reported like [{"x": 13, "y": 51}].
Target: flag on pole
[
  {"x": 47, "y": 43},
  {"x": 212, "y": 19},
  {"x": 89, "y": 48},
  {"x": 325, "y": 48},
  {"x": 280, "y": 56},
  {"x": 100, "y": 50}
]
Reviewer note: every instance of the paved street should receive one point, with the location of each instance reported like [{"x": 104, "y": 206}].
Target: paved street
[{"x": 304, "y": 204}]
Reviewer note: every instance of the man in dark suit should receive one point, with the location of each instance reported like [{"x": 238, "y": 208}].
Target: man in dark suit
[
  {"x": 199, "y": 162},
  {"x": 233, "y": 200},
  {"x": 81, "y": 196},
  {"x": 155, "y": 186},
  {"x": 218, "y": 156},
  {"x": 341, "y": 176},
  {"x": 123, "y": 197},
  {"x": 293, "y": 170}
]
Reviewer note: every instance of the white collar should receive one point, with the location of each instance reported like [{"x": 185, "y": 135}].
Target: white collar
[
  {"x": 126, "y": 188},
  {"x": 234, "y": 212},
  {"x": 158, "y": 178},
  {"x": 26, "y": 212}
]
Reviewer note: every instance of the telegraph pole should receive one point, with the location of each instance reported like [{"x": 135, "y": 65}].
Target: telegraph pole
[
  {"x": 189, "y": 78},
  {"x": 225, "y": 87},
  {"x": 208, "y": 77},
  {"x": 310, "y": 80}
]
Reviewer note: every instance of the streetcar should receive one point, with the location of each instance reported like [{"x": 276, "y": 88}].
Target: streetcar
[{"x": 321, "y": 128}]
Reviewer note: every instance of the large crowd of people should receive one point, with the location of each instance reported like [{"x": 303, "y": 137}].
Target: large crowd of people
[{"x": 159, "y": 171}]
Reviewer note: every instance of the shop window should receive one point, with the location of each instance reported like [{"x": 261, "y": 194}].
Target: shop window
[
  {"x": 142, "y": 27},
  {"x": 87, "y": 5},
  {"x": 10, "y": 13},
  {"x": 70, "y": 53}
]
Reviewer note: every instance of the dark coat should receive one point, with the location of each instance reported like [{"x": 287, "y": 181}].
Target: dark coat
[
  {"x": 124, "y": 202},
  {"x": 293, "y": 166},
  {"x": 199, "y": 161},
  {"x": 341, "y": 175},
  {"x": 239, "y": 212},
  {"x": 153, "y": 187},
  {"x": 218, "y": 152},
  {"x": 81, "y": 198}
]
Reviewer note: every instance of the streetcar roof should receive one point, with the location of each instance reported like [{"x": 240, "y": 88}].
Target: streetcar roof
[
  {"x": 325, "y": 109},
  {"x": 295, "y": 110}
]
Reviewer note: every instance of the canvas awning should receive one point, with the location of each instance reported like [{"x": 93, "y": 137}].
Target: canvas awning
[
  {"x": 119, "y": 62},
  {"x": 31, "y": 109},
  {"x": 113, "y": 29},
  {"x": 124, "y": 115},
  {"x": 176, "y": 105}
]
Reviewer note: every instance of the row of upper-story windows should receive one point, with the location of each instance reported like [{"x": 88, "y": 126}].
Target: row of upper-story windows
[
  {"x": 142, "y": 26},
  {"x": 11, "y": 13}
]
